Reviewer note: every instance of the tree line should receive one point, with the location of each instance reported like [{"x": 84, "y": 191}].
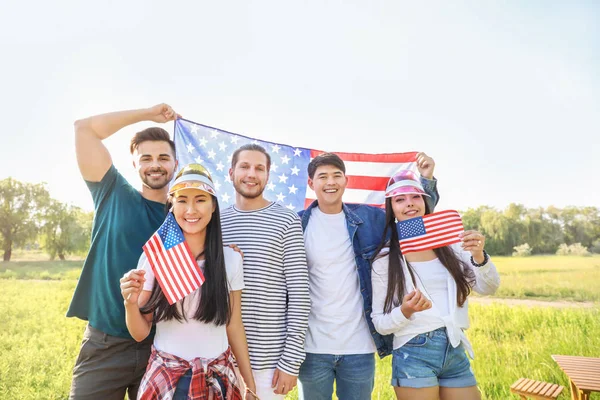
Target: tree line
[{"x": 29, "y": 216}]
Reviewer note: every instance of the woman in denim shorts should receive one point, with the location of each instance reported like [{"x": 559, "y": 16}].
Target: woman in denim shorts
[{"x": 421, "y": 297}]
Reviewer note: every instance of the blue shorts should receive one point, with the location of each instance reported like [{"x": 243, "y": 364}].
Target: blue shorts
[{"x": 429, "y": 360}]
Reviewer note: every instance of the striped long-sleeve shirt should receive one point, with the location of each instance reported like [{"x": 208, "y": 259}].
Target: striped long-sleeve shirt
[{"x": 275, "y": 300}]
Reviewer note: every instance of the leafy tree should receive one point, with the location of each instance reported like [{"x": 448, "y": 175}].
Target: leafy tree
[
  {"x": 20, "y": 205},
  {"x": 66, "y": 229}
]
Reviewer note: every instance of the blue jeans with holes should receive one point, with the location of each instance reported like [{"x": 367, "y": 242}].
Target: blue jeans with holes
[{"x": 354, "y": 376}]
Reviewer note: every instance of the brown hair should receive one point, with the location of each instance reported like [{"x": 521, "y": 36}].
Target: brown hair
[
  {"x": 325, "y": 159},
  {"x": 151, "y": 134},
  {"x": 250, "y": 147}
]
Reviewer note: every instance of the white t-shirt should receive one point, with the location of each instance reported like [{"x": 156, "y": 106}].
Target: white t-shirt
[
  {"x": 336, "y": 324},
  {"x": 435, "y": 277},
  {"x": 193, "y": 338}
]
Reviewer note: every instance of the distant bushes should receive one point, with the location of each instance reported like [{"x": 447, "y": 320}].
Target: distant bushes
[
  {"x": 576, "y": 249},
  {"x": 523, "y": 250}
]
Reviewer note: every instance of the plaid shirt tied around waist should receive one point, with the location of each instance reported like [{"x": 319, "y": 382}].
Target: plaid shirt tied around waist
[{"x": 164, "y": 371}]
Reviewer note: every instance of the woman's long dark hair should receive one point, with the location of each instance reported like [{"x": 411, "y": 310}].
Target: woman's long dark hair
[
  {"x": 214, "y": 304},
  {"x": 397, "y": 281}
]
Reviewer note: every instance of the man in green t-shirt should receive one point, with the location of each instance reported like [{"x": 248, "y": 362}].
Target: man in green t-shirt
[{"x": 110, "y": 362}]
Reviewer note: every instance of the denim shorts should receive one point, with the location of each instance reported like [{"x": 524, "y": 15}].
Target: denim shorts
[{"x": 429, "y": 360}]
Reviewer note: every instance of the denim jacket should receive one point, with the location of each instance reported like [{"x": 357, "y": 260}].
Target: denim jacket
[{"x": 365, "y": 228}]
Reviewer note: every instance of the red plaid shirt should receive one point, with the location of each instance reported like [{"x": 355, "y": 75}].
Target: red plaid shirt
[{"x": 164, "y": 371}]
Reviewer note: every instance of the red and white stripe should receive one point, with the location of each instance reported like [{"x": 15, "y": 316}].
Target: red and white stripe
[
  {"x": 442, "y": 230},
  {"x": 176, "y": 270},
  {"x": 368, "y": 175}
]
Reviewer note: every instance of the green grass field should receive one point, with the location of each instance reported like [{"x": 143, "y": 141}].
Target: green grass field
[{"x": 38, "y": 345}]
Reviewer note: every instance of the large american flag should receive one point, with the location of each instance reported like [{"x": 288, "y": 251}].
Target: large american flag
[
  {"x": 430, "y": 231},
  {"x": 172, "y": 261},
  {"x": 213, "y": 148}
]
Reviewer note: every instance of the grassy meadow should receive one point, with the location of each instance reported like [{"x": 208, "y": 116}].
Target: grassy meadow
[{"x": 38, "y": 345}]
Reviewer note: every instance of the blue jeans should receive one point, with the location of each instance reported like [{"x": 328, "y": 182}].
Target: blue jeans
[
  {"x": 183, "y": 386},
  {"x": 354, "y": 376},
  {"x": 429, "y": 360}
]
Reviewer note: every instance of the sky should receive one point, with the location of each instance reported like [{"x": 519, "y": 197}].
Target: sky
[{"x": 505, "y": 96}]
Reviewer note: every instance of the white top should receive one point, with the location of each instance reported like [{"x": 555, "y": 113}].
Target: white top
[
  {"x": 336, "y": 324},
  {"x": 435, "y": 277},
  {"x": 487, "y": 281},
  {"x": 194, "y": 338}
]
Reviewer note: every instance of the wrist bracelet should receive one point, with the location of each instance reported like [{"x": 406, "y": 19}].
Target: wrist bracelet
[{"x": 486, "y": 258}]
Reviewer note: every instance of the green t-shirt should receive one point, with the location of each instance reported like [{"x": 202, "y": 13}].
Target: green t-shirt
[{"x": 123, "y": 222}]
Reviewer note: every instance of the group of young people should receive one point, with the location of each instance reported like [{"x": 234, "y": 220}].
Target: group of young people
[{"x": 288, "y": 298}]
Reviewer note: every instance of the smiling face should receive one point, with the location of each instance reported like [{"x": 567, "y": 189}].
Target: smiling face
[
  {"x": 329, "y": 183},
  {"x": 155, "y": 163},
  {"x": 407, "y": 206},
  {"x": 250, "y": 174},
  {"x": 193, "y": 210}
]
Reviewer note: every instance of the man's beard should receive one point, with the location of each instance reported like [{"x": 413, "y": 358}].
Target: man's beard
[
  {"x": 157, "y": 184},
  {"x": 247, "y": 195}
]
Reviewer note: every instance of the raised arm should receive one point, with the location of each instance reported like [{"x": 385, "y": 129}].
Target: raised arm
[
  {"x": 92, "y": 156},
  {"x": 426, "y": 164}
]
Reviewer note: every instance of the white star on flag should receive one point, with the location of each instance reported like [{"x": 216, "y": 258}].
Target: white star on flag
[
  {"x": 217, "y": 184},
  {"x": 190, "y": 148},
  {"x": 213, "y": 148},
  {"x": 225, "y": 197},
  {"x": 280, "y": 197},
  {"x": 290, "y": 206}
]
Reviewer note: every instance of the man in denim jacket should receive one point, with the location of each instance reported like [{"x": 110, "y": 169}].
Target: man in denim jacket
[{"x": 341, "y": 239}]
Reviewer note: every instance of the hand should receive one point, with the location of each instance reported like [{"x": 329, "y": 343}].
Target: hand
[
  {"x": 132, "y": 284},
  {"x": 237, "y": 249},
  {"x": 283, "y": 382},
  {"x": 250, "y": 395},
  {"x": 162, "y": 113},
  {"x": 474, "y": 242},
  {"x": 425, "y": 165},
  {"x": 414, "y": 302}
]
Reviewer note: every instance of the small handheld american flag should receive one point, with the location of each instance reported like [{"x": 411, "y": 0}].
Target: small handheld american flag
[
  {"x": 430, "y": 231},
  {"x": 172, "y": 261}
]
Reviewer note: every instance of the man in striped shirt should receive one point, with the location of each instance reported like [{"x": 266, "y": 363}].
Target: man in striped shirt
[{"x": 275, "y": 300}]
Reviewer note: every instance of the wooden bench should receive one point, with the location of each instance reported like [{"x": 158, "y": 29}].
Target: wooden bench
[{"x": 535, "y": 389}]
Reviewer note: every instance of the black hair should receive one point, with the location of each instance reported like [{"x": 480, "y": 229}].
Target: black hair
[
  {"x": 214, "y": 304},
  {"x": 325, "y": 159},
  {"x": 462, "y": 274}
]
